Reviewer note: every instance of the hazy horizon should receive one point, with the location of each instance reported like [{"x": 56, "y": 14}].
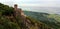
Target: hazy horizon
[{"x": 51, "y": 10}]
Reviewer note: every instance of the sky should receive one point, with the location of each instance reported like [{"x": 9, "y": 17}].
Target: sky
[
  {"x": 43, "y": 3},
  {"x": 34, "y": 5}
]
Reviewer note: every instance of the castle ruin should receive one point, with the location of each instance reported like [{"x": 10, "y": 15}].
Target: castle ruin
[{"x": 18, "y": 11}]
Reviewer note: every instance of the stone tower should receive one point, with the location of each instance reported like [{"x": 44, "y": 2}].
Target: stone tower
[
  {"x": 18, "y": 11},
  {"x": 15, "y": 10},
  {"x": 15, "y": 7}
]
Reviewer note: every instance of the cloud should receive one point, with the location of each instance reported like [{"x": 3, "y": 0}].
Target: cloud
[{"x": 46, "y": 3}]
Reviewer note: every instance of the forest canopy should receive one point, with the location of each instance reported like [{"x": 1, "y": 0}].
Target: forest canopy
[{"x": 5, "y": 9}]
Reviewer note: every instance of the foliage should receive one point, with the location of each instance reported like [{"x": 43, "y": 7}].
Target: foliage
[
  {"x": 52, "y": 20},
  {"x": 5, "y": 22},
  {"x": 5, "y": 9}
]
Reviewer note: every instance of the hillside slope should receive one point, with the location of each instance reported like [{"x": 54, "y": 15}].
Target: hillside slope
[
  {"x": 9, "y": 21},
  {"x": 50, "y": 19}
]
